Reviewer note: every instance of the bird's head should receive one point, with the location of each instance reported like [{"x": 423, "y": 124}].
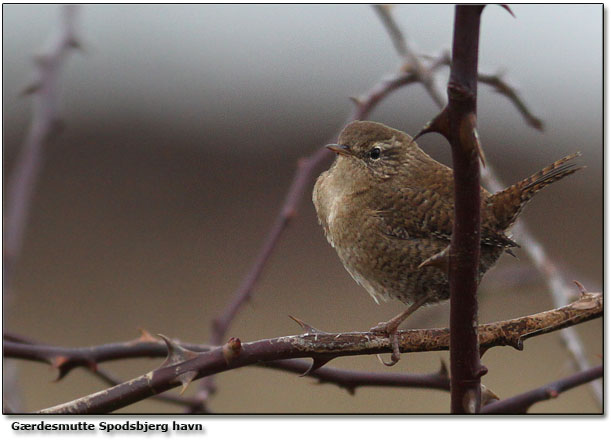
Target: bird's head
[{"x": 372, "y": 148}]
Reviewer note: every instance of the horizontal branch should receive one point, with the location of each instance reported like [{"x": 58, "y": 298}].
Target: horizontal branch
[
  {"x": 66, "y": 359},
  {"x": 183, "y": 365},
  {"x": 350, "y": 380}
]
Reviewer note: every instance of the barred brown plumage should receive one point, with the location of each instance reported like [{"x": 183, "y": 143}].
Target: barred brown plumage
[{"x": 389, "y": 215}]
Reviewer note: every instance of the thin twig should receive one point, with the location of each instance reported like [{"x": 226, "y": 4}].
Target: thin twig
[
  {"x": 45, "y": 122},
  {"x": 521, "y": 403},
  {"x": 423, "y": 75},
  {"x": 187, "y": 366},
  {"x": 500, "y": 86}
]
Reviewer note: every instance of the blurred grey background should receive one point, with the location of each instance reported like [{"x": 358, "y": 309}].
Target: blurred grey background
[{"x": 183, "y": 128}]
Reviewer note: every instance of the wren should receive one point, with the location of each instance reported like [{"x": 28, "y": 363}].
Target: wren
[{"x": 387, "y": 208}]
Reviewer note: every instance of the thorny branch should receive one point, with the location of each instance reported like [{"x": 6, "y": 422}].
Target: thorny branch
[
  {"x": 522, "y": 402},
  {"x": 534, "y": 249},
  {"x": 460, "y": 129},
  {"x": 45, "y": 123},
  {"x": 65, "y": 359},
  {"x": 187, "y": 365}
]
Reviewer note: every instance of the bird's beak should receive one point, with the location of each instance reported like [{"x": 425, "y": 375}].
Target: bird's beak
[{"x": 344, "y": 150}]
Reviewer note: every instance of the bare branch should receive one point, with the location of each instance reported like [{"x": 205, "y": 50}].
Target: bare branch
[
  {"x": 423, "y": 75},
  {"x": 512, "y": 332},
  {"x": 522, "y": 402},
  {"x": 461, "y": 110},
  {"x": 510, "y": 93},
  {"x": 45, "y": 123},
  {"x": 65, "y": 359}
]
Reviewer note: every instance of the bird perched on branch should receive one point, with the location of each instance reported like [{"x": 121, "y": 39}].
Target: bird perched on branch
[{"x": 387, "y": 209}]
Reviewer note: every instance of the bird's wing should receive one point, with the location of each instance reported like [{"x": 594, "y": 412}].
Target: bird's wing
[{"x": 412, "y": 212}]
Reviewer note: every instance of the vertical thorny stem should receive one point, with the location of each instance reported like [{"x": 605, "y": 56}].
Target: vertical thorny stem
[{"x": 466, "y": 369}]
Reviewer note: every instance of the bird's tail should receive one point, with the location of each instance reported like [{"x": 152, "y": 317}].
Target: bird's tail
[{"x": 508, "y": 204}]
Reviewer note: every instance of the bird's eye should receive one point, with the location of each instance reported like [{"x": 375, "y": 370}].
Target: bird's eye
[{"x": 374, "y": 153}]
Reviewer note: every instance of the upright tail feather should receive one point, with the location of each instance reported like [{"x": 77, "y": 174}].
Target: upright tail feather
[{"x": 508, "y": 204}]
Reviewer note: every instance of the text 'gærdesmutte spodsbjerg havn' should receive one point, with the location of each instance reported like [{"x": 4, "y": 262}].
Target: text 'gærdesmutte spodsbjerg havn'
[{"x": 110, "y": 427}]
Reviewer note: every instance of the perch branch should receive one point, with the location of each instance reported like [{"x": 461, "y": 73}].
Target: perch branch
[
  {"x": 66, "y": 359},
  {"x": 190, "y": 365}
]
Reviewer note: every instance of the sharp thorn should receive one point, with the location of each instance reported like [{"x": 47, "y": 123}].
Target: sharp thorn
[
  {"x": 145, "y": 336},
  {"x": 185, "y": 379},
  {"x": 508, "y": 9},
  {"x": 307, "y": 327},
  {"x": 439, "y": 124},
  {"x": 443, "y": 370},
  {"x": 581, "y": 287},
  {"x": 316, "y": 364},
  {"x": 176, "y": 353},
  {"x": 488, "y": 395}
]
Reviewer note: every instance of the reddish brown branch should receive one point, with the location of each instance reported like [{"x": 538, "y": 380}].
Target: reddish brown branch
[
  {"x": 465, "y": 366},
  {"x": 521, "y": 403},
  {"x": 66, "y": 359},
  {"x": 321, "y": 345}
]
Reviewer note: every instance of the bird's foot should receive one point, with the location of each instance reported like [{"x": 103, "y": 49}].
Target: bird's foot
[{"x": 390, "y": 329}]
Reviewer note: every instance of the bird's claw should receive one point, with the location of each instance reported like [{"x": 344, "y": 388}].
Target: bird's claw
[{"x": 393, "y": 336}]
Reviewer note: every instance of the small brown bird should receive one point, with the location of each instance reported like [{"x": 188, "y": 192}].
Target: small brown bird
[{"x": 387, "y": 209}]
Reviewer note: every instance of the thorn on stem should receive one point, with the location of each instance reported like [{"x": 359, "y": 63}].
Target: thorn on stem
[
  {"x": 581, "y": 288},
  {"x": 488, "y": 395},
  {"x": 439, "y": 124},
  {"x": 469, "y": 137},
  {"x": 443, "y": 370},
  {"x": 508, "y": 9},
  {"x": 145, "y": 336},
  {"x": 307, "y": 327},
  {"x": 317, "y": 362},
  {"x": 185, "y": 379},
  {"x": 176, "y": 353}
]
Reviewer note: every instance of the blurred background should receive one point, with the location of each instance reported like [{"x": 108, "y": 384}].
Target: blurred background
[{"x": 183, "y": 128}]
